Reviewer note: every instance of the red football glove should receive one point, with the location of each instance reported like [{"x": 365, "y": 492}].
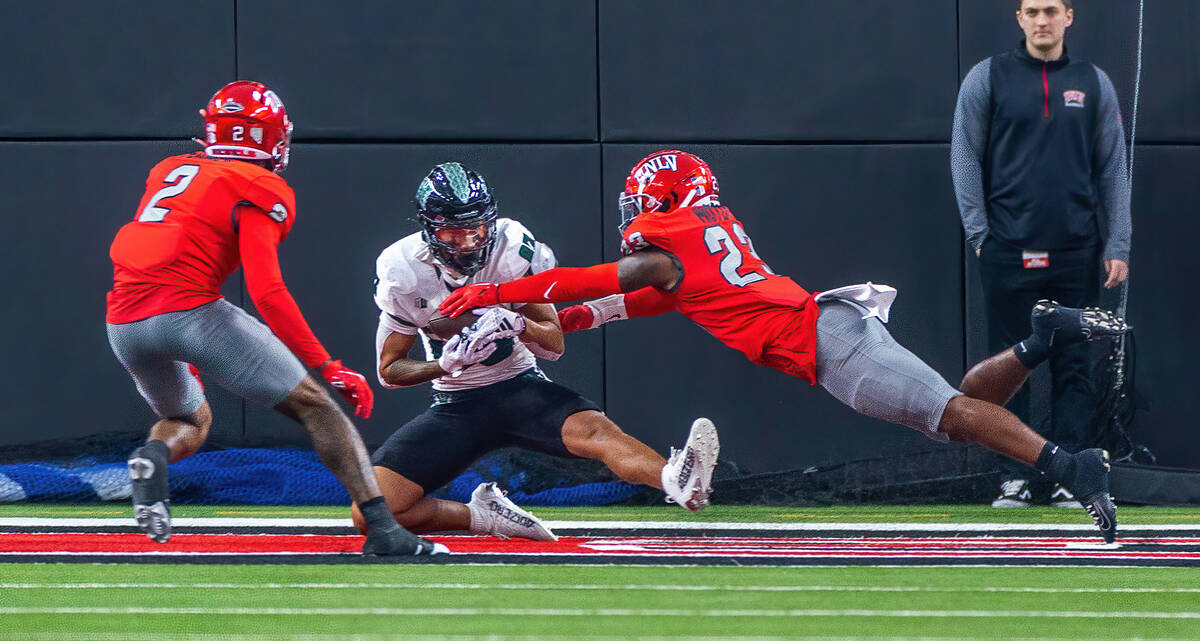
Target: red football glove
[
  {"x": 576, "y": 317},
  {"x": 351, "y": 385},
  {"x": 464, "y": 299}
]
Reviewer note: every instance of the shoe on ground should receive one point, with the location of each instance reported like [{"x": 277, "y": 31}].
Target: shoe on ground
[
  {"x": 1013, "y": 493},
  {"x": 151, "y": 504},
  {"x": 1062, "y": 497},
  {"x": 1068, "y": 325},
  {"x": 397, "y": 541},
  {"x": 1090, "y": 486},
  {"x": 494, "y": 514},
  {"x": 687, "y": 476}
]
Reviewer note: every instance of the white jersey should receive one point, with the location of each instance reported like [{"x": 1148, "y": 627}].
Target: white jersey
[{"x": 411, "y": 284}]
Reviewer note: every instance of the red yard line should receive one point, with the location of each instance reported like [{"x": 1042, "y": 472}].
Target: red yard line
[
  {"x": 81, "y": 542},
  {"x": 252, "y": 544}
]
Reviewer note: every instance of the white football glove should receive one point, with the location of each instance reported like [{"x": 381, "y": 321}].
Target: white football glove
[
  {"x": 497, "y": 323},
  {"x": 463, "y": 350}
]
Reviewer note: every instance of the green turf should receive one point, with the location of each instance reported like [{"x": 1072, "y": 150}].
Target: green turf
[
  {"x": 746, "y": 513},
  {"x": 554, "y": 602},
  {"x": 545, "y": 603}
]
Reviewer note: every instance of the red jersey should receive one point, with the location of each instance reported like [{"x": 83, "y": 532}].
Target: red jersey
[
  {"x": 183, "y": 241},
  {"x": 728, "y": 290}
]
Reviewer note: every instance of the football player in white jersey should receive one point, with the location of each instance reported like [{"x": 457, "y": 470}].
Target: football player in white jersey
[{"x": 488, "y": 390}]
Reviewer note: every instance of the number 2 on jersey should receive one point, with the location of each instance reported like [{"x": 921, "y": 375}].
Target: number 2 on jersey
[
  {"x": 178, "y": 181},
  {"x": 718, "y": 241}
]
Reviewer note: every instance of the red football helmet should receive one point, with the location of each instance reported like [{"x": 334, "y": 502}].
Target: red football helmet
[
  {"x": 667, "y": 180},
  {"x": 247, "y": 121}
]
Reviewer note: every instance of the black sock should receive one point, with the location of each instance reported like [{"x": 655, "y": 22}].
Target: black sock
[
  {"x": 157, "y": 487},
  {"x": 376, "y": 513},
  {"x": 155, "y": 451},
  {"x": 1033, "y": 350},
  {"x": 1056, "y": 463}
]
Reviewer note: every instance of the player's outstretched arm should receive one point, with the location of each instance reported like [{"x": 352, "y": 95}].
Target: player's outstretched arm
[
  {"x": 646, "y": 268},
  {"x": 648, "y": 301},
  {"x": 258, "y": 239}
]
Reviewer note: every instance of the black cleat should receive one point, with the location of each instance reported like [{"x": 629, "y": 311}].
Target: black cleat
[
  {"x": 151, "y": 505},
  {"x": 1090, "y": 486},
  {"x": 1062, "y": 325},
  {"x": 397, "y": 541}
]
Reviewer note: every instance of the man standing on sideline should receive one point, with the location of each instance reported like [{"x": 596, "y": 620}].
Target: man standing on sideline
[{"x": 1037, "y": 153}]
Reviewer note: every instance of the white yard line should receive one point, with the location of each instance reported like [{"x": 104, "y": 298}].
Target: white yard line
[
  {"x": 611, "y": 612},
  {"x": 255, "y": 522},
  {"x": 217, "y": 636},
  {"x": 559, "y": 587}
]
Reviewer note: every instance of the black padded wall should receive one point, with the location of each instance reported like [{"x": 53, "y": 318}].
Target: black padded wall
[
  {"x": 827, "y": 123},
  {"x": 466, "y": 70},
  {"x": 77, "y": 69},
  {"x": 1160, "y": 308},
  {"x": 782, "y": 70}
]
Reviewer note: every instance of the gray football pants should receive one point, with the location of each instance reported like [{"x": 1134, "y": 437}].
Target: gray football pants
[
  {"x": 232, "y": 347},
  {"x": 860, "y": 363}
]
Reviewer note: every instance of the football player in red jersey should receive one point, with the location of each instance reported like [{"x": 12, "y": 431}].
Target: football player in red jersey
[
  {"x": 203, "y": 215},
  {"x": 681, "y": 250}
]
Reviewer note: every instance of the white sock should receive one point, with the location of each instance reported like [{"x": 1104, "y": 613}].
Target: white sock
[{"x": 480, "y": 524}]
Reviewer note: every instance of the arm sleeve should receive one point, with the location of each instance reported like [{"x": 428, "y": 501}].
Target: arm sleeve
[
  {"x": 648, "y": 301},
  {"x": 968, "y": 143},
  {"x": 1111, "y": 172},
  {"x": 562, "y": 284},
  {"x": 258, "y": 238}
]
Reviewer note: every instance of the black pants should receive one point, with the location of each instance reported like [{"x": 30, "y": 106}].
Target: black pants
[
  {"x": 1072, "y": 278},
  {"x": 526, "y": 411}
]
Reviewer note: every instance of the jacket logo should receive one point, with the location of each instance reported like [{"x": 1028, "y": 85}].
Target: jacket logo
[{"x": 1074, "y": 98}]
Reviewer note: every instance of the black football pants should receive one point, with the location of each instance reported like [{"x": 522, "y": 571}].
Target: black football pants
[{"x": 1010, "y": 291}]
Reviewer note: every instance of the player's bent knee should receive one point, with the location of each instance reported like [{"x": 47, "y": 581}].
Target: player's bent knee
[
  {"x": 307, "y": 398},
  {"x": 202, "y": 418},
  {"x": 399, "y": 492},
  {"x": 585, "y": 433},
  {"x": 956, "y": 418}
]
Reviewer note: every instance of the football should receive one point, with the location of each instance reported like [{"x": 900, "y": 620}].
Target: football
[{"x": 444, "y": 327}]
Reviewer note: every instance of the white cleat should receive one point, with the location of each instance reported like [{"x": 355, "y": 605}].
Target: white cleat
[
  {"x": 492, "y": 513},
  {"x": 687, "y": 476}
]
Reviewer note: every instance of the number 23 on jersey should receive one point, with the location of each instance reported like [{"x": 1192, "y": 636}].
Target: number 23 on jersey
[{"x": 733, "y": 255}]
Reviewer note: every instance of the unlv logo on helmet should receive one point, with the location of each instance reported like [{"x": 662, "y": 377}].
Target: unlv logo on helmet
[
  {"x": 655, "y": 164},
  {"x": 666, "y": 180}
]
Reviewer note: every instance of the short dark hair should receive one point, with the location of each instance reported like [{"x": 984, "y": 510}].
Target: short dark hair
[{"x": 1066, "y": 3}]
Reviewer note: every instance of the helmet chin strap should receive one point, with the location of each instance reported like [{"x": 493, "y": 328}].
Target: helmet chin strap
[{"x": 449, "y": 273}]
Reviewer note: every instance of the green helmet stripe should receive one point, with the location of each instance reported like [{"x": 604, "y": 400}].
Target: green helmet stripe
[
  {"x": 423, "y": 192},
  {"x": 457, "y": 178}
]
